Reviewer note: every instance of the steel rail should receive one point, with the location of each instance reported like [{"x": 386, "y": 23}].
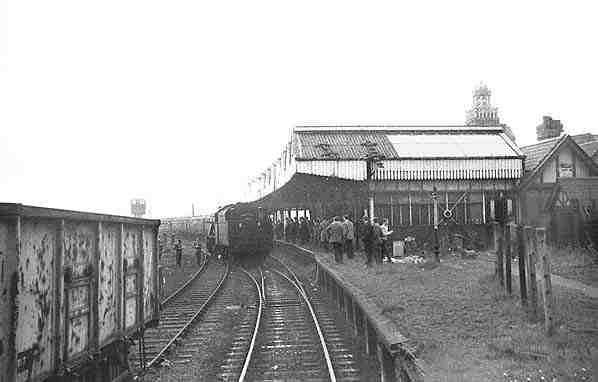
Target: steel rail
[
  {"x": 288, "y": 269},
  {"x": 302, "y": 293},
  {"x": 186, "y": 284},
  {"x": 192, "y": 319},
  {"x": 257, "y": 322}
]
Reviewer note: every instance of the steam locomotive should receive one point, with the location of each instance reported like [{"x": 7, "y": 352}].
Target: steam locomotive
[{"x": 240, "y": 230}]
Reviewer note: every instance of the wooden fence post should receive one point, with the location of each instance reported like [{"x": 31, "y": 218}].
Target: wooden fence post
[
  {"x": 498, "y": 233},
  {"x": 530, "y": 252},
  {"x": 495, "y": 228},
  {"x": 546, "y": 280},
  {"x": 507, "y": 249},
  {"x": 522, "y": 261}
]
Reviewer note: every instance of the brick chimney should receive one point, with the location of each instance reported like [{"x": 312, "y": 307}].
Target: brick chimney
[{"x": 549, "y": 128}]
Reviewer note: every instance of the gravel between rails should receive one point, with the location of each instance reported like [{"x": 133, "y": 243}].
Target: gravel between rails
[
  {"x": 207, "y": 343},
  {"x": 347, "y": 350}
]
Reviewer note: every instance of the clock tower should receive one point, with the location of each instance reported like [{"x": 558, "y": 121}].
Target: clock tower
[{"x": 482, "y": 113}]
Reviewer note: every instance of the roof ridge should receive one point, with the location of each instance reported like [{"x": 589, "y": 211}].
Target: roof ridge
[{"x": 554, "y": 139}]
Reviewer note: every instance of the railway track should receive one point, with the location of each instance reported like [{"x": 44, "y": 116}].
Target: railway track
[
  {"x": 347, "y": 358},
  {"x": 179, "y": 312},
  {"x": 226, "y": 345},
  {"x": 285, "y": 340}
]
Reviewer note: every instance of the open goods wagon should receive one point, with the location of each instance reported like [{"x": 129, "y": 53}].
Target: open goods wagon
[{"x": 74, "y": 288}]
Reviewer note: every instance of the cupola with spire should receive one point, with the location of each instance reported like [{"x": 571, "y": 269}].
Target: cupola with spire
[{"x": 482, "y": 113}]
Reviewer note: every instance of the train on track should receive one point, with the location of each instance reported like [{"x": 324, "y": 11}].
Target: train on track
[
  {"x": 75, "y": 288},
  {"x": 241, "y": 230},
  {"x": 187, "y": 226}
]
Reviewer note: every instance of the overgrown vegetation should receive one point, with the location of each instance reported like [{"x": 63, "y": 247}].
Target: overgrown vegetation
[
  {"x": 579, "y": 264},
  {"x": 466, "y": 328}
]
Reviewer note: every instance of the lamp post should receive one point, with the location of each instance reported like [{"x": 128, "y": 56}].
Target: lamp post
[
  {"x": 370, "y": 192},
  {"x": 373, "y": 160},
  {"x": 436, "y": 242}
]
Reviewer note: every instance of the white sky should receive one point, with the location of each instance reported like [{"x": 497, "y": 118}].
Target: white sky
[{"x": 182, "y": 102}]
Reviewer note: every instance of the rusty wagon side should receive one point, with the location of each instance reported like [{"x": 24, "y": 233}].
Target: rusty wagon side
[{"x": 74, "y": 286}]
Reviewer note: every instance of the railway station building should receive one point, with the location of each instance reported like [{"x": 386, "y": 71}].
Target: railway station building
[
  {"x": 393, "y": 171},
  {"x": 559, "y": 188}
]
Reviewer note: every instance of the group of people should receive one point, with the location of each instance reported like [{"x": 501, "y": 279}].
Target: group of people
[
  {"x": 178, "y": 250},
  {"x": 340, "y": 233},
  {"x": 295, "y": 230},
  {"x": 375, "y": 238}
]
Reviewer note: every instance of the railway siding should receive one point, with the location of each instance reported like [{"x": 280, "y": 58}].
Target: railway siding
[{"x": 382, "y": 335}]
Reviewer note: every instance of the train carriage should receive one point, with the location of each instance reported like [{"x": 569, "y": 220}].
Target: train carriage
[{"x": 74, "y": 287}]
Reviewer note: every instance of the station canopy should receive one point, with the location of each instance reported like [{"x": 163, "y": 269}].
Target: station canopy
[{"x": 337, "y": 155}]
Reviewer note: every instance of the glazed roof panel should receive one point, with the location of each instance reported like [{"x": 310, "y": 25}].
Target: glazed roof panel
[{"x": 451, "y": 145}]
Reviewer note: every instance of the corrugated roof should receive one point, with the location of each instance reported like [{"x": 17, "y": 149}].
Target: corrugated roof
[
  {"x": 341, "y": 145},
  {"x": 346, "y": 145}
]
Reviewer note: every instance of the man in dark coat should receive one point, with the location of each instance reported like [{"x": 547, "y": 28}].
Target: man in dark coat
[
  {"x": 336, "y": 237},
  {"x": 197, "y": 247},
  {"x": 367, "y": 237},
  {"x": 303, "y": 231},
  {"x": 178, "y": 249},
  {"x": 377, "y": 241}
]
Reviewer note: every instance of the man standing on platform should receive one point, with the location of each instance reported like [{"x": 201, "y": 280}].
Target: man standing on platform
[
  {"x": 367, "y": 237},
  {"x": 349, "y": 234},
  {"x": 384, "y": 250},
  {"x": 324, "y": 234},
  {"x": 377, "y": 241},
  {"x": 336, "y": 238}
]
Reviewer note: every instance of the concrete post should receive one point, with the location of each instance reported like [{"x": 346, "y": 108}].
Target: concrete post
[
  {"x": 387, "y": 367},
  {"x": 371, "y": 205},
  {"x": 366, "y": 335}
]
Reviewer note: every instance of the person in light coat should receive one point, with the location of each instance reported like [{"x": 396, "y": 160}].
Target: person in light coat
[
  {"x": 384, "y": 250},
  {"x": 349, "y": 233}
]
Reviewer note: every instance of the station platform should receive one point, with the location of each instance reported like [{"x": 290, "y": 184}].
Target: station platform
[{"x": 454, "y": 315}]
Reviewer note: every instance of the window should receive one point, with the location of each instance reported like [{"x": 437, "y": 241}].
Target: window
[{"x": 565, "y": 170}]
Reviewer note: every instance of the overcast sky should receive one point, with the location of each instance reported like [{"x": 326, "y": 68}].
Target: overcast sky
[{"x": 181, "y": 102}]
